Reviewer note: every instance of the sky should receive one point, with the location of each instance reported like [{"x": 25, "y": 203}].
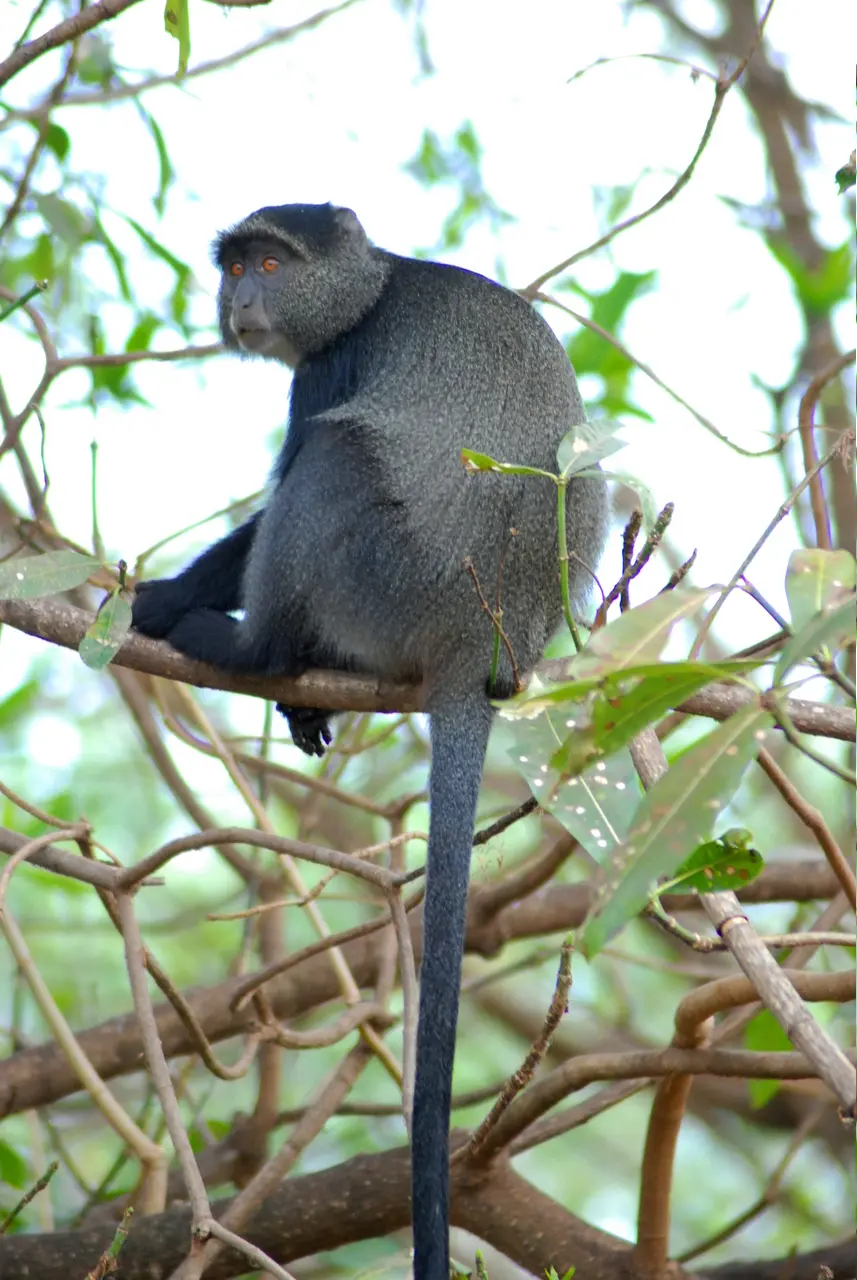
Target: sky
[{"x": 335, "y": 115}]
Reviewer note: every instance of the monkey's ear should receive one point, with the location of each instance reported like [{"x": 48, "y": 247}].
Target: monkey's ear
[{"x": 346, "y": 221}]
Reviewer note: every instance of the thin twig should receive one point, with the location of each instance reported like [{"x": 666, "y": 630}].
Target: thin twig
[
  {"x": 721, "y": 88},
  {"x": 28, "y": 1196},
  {"x": 813, "y": 819},
  {"x": 121, "y": 93},
  {"x": 35, "y": 846},
  {"x": 410, "y": 1002},
  {"x": 254, "y": 1255},
  {"x": 782, "y": 511},
  {"x": 523, "y": 810},
  {"x": 150, "y": 1155},
  {"x": 495, "y": 617},
  {"x": 326, "y": 1101},
  {"x": 635, "y": 566},
  {"x": 524, "y": 1074},
  {"x": 156, "y": 1061},
  {"x": 806, "y": 427}
]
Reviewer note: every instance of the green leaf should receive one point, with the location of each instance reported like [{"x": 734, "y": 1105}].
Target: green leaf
[
  {"x": 817, "y": 579},
  {"x": 729, "y": 862},
  {"x": 481, "y": 462},
  {"x": 827, "y": 629},
  {"x": 27, "y": 577},
  {"x": 101, "y": 236},
  {"x": 104, "y": 638},
  {"x": 845, "y": 178},
  {"x": 586, "y": 444},
  {"x": 13, "y": 1168},
  {"x": 178, "y": 298},
  {"x": 56, "y": 139},
  {"x": 42, "y": 260},
  {"x": 96, "y": 66},
  {"x": 587, "y": 350},
  {"x": 166, "y": 172},
  {"x": 538, "y": 695},
  {"x": 638, "y": 636},
  {"x": 177, "y": 23},
  {"x": 140, "y": 337},
  {"x": 623, "y": 706},
  {"x": 675, "y": 816},
  {"x": 16, "y": 705},
  {"x": 764, "y": 1035},
  {"x": 70, "y": 223},
  {"x": 820, "y": 287}
]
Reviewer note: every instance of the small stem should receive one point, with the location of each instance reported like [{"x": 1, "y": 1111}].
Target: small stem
[
  {"x": 561, "y": 486},
  {"x": 37, "y": 288},
  {"x": 495, "y": 654}
]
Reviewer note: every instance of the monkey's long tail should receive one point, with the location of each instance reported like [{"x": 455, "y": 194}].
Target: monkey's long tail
[{"x": 459, "y": 735}]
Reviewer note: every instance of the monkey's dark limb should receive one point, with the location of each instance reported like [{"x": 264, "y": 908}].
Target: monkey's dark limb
[
  {"x": 213, "y": 637},
  {"x": 213, "y": 581},
  {"x": 310, "y": 729},
  {"x": 459, "y": 735}
]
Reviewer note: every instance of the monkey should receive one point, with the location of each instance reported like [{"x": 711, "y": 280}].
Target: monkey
[{"x": 374, "y": 544}]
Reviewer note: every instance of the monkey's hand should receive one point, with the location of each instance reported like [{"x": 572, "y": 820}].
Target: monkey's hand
[
  {"x": 310, "y": 729},
  {"x": 158, "y": 606}
]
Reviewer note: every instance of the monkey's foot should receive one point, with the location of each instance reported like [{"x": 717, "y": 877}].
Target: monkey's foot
[{"x": 310, "y": 729}]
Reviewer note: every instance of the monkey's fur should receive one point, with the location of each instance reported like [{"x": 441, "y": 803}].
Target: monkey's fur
[{"x": 358, "y": 560}]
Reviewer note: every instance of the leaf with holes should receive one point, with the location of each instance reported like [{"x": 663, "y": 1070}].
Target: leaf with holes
[
  {"x": 675, "y": 816},
  {"x": 729, "y": 862},
  {"x": 27, "y": 577},
  {"x": 104, "y": 638},
  {"x": 624, "y": 704},
  {"x": 817, "y": 580},
  {"x": 540, "y": 695},
  {"x": 596, "y": 807}
]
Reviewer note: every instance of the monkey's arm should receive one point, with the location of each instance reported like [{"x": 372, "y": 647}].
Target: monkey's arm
[{"x": 212, "y": 581}]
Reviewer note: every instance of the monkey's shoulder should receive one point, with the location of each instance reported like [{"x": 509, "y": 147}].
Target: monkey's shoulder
[{"x": 438, "y": 290}]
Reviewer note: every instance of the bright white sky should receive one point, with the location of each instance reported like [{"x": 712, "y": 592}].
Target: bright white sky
[{"x": 335, "y": 115}]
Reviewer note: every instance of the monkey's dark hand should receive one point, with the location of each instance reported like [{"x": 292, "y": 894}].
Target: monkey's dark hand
[
  {"x": 310, "y": 729},
  {"x": 158, "y": 606}
]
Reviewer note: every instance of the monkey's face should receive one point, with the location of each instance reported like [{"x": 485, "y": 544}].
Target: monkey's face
[
  {"x": 293, "y": 278},
  {"x": 254, "y": 285}
]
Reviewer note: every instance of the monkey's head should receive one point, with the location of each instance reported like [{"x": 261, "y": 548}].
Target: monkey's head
[{"x": 293, "y": 277}]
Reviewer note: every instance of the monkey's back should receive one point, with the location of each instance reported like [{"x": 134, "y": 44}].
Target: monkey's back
[{"x": 392, "y": 519}]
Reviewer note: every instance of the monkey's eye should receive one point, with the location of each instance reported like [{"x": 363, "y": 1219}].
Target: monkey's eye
[
  {"x": 236, "y": 268},
  {"x": 270, "y": 263}
]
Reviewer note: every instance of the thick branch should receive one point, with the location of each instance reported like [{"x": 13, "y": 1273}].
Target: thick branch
[
  {"x": 365, "y": 1198},
  {"x": 357, "y": 1200},
  {"x": 62, "y": 624}
]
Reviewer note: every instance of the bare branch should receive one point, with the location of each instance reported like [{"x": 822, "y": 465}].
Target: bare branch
[
  {"x": 806, "y": 417},
  {"x": 84, "y": 20},
  {"x": 722, "y": 86},
  {"x": 65, "y": 625},
  {"x": 781, "y": 997}
]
